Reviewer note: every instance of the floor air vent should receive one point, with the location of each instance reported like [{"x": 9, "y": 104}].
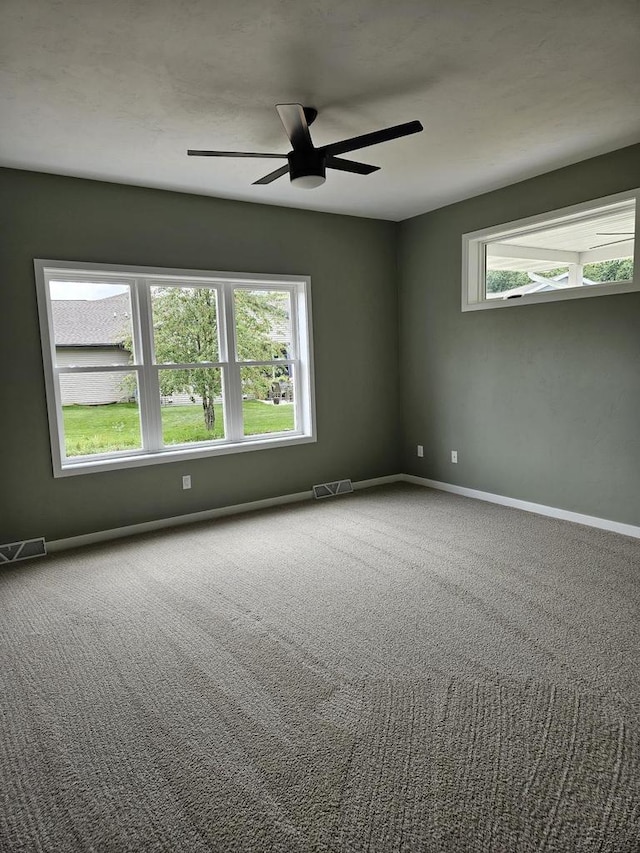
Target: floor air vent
[
  {"x": 22, "y": 550},
  {"x": 329, "y": 490}
]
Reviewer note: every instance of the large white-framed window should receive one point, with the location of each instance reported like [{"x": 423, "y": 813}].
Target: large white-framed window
[
  {"x": 146, "y": 365},
  {"x": 589, "y": 249}
]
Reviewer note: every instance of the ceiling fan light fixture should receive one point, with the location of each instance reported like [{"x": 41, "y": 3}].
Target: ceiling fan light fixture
[
  {"x": 308, "y": 182},
  {"x": 307, "y": 168}
]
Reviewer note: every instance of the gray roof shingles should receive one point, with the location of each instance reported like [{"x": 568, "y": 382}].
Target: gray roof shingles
[{"x": 91, "y": 322}]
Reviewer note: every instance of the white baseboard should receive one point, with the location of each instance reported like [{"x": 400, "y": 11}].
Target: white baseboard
[
  {"x": 173, "y": 521},
  {"x": 207, "y": 515},
  {"x": 378, "y": 481},
  {"x": 527, "y": 506}
]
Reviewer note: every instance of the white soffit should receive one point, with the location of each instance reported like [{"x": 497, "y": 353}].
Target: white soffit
[
  {"x": 582, "y": 235},
  {"x": 506, "y": 90},
  {"x": 584, "y": 238}
]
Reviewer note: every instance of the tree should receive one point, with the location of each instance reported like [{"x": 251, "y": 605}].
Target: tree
[
  {"x": 500, "y": 280},
  {"x": 185, "y": 325},
  {"x": 618, "y": 270},
  {"x": 258, "y": 314}
]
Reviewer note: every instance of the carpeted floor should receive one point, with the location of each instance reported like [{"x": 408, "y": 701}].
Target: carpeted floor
[{"x": 394, "y": 670}]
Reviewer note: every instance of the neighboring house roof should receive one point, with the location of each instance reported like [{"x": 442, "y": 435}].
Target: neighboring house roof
[{"x": 91, "y": 322}]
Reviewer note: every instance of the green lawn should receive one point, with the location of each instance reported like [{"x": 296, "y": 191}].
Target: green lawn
[{"x": 100, "y": 429}]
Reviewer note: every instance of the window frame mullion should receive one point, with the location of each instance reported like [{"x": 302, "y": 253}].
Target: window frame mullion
[
  {"x": 296, "y": 377},
  {"x": 232, "y": 383},
  {"x": 149, "y": 384}
]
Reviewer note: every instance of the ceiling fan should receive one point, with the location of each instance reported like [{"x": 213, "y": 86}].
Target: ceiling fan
[
  {"x": 307, "y": 164},
  {"x": 612, "y": 234}
]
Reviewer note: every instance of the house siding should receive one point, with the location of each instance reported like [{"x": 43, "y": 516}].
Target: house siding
[{"x": 91, "y": 389}]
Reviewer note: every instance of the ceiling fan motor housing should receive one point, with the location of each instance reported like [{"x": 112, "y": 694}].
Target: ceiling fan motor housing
[{"x": 307, "y": 169}]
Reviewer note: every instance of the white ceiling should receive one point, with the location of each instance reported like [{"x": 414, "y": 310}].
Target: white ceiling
[{"x": 506, "y": 89}]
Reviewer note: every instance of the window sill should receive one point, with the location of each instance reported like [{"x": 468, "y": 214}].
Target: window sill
[{"x": 115, "y": 463}]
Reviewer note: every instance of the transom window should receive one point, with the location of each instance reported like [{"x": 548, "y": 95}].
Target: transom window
[
  {"x": 585, "y": 250},
  {"x": 149, "y": 365}
]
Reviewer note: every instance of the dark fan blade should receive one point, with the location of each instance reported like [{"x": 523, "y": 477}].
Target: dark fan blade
[
  {"x": 273, "y": 176},
  {"x": 193, "y": 153},
  {"x": 372, "y": 138},
  {"x": 612, "y": 243},
  {"x": 295, "y": 124},
  {"x": 350, "y": 166}
]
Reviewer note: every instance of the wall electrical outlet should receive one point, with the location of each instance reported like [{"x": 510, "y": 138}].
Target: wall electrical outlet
[
  {"x": 454, "y": 455},
  {"x": 420, "y": 450},
  {"x": 186, "y": 481}
]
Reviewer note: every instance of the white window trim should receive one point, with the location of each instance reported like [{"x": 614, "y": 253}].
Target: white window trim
[
  {"x": 153, "y": 453},
  {"x": 473, "y": 246}
]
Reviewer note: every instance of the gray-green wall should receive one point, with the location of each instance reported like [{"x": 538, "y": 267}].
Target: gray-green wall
[
  {"x": 541, "y": 402},
  {"x": 352, "y": 264}
]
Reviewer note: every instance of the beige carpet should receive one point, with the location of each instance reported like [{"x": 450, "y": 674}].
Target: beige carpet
[{"x": 394, "y": 670}]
